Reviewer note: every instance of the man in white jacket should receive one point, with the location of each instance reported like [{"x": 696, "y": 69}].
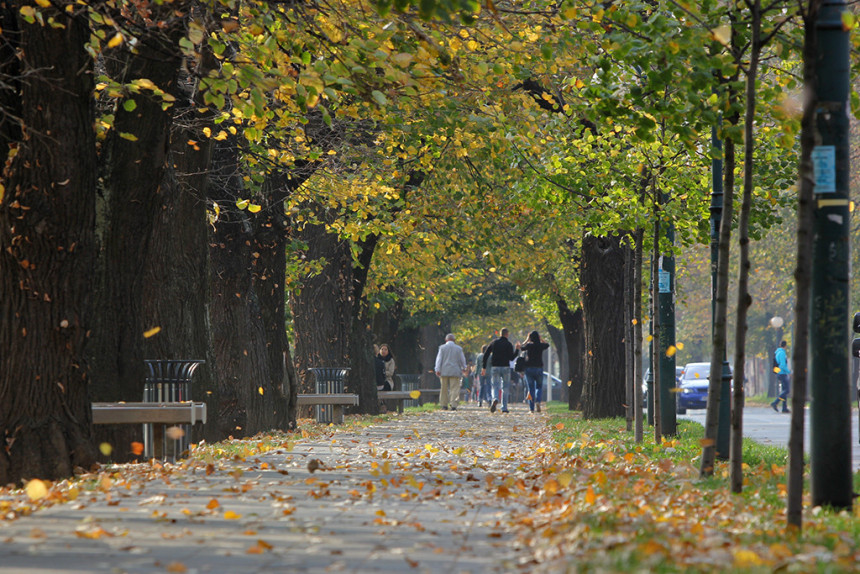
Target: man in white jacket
[{"x": 450, "y": 366}]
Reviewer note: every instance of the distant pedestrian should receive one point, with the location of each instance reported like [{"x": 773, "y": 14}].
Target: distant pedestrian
[
  {"x": 533, "y": 349},
  {"x": 783, "y": 377},
  {"x": 385, "y": 367},
  {"x": 502, "y": 353},
  {"x": 450, "y": 366}
]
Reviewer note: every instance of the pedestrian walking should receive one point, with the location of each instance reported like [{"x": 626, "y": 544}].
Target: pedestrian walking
[
  {"x": 450, "y": 366},
  {"x": 533, "y": 349},
  {"x": 783, "y": 377},
  {"x": 502, "y": 353}
]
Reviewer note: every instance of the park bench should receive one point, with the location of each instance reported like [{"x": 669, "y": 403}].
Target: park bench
[
  {"x": 336, "y": 400},
  {"x": 158, "y": 415},
  {"x": 398, "y": 396}
]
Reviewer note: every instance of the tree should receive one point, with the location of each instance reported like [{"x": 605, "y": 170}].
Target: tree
[{"x": 47, "y": 241}]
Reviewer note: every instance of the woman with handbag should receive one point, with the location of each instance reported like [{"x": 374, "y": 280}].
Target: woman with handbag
[{"x": 533, "y": 348}]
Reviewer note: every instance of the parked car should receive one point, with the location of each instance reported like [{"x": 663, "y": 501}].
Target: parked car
[{"x": 693, "y": 393}]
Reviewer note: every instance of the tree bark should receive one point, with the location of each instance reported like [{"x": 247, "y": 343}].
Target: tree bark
[
  {"x": 803, "y": 270},
  {"x": 323, "y": 306},
  {"x": 47, "y": 246},
  {"x": 574, "y": 336},
  {"x": 560, "y": 343},
  {"x": 744, "y": 300},
  {"x": 133, "y": 172},
  {"x": 718, "y": 351},
  {"x": 602, "y": 279}
]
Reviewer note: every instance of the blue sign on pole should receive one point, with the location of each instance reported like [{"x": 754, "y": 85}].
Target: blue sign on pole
[
  {"x": 665, "y": 282},
  {"x": 824, "y": 168}
]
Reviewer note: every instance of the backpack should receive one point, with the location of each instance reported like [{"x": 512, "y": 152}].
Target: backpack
[{"x": 520, "y": 363}]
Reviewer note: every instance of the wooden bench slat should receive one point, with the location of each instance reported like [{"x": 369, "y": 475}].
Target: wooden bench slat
[
  {"x": 149, "y": 413},
  {"x": 395, "y": 395}
]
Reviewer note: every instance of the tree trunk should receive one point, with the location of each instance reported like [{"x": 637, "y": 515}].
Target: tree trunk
[
  {"x": 638, "y": 430},
  {"x": 47, "y": 246},
  {"x": 803, "y": 270},
  {"x": 133, "y": 172},
  {"x": 744, "y": 299},
  {"x": 323, "y": 307},
  {"x": 602, "y": 279},
  {"x": 574, "y": 336},
  {"x": 718, "y": 351},
  {"x": 431, "y": 337},
  {"x": 559, "y": 342},
  {"x": 238, "y": 330}
]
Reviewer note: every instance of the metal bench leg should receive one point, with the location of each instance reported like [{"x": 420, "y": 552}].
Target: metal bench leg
[{"x": 337, "y": 414}]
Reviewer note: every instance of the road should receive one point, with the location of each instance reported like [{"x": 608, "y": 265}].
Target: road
[{"x": 767, "y": 427}]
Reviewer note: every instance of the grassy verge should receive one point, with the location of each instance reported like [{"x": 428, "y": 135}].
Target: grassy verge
[{"x": 643, "y": 507}]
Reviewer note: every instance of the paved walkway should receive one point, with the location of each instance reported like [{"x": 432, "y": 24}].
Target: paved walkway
[{"x": 418, "y": 493}]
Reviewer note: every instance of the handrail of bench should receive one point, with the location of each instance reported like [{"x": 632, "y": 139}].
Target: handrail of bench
[{"x": 149, "y": 413}]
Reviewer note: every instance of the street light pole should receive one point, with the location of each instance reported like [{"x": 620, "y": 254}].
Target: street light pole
[{"x": 829, "y": 333}]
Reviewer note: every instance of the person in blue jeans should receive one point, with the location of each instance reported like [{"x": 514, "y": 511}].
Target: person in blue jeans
[
  {"x": 499, "y": 355},
  {"x": 533, "y": 349},
  {"x": 783, "y": 377}
]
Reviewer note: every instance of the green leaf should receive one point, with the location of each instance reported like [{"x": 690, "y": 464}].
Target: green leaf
[
  {"x": 129, "y": 105},
  {"x": 128, "y": 136},
  {"x": 379, "y": 97}
]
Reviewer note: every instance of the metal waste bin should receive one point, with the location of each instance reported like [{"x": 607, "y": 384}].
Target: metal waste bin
[
  {"x": 168, "y": 381},
  {"x": 329, "y": 382},
  {"x": 410, "y": 383}
]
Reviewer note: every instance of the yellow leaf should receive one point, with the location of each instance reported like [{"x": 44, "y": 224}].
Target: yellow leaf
[
  {"x": 649, "y": 338},
  {"x": 207, "y": 131},
  {"x": 44, "y": 3},
  {"x": 242, "y": 204},
  {"x": 564, "y": 479},
  {"x": 105, "y": 448},
  {"x": 115, "y": 41},
  {"x": 722, "y": 34},
  {"x": 145, "y": 84},
  {"x": 254, "y": 208},
  {"x": 458, "y": 451},
  {"x": 36, "y": 489},
  {"x": 230, "y": 515},
  {"x": 497, "y": 454},
  {"x": 745, "y": 558},
  {"x": 590, "y": 497},
  {"x": 149, "y": 333},
  {"x": 221, "y": 136},
  {"x": 670, "y": 352},
  {"x": 260, "y": 390},
  {"x": 380, "y": 512},
  {"x": 177, "y": 568},
  {"x": 213, "y": 504},
  {"x": 680, "y": 346},
  {"x": 415, "y": 394}
]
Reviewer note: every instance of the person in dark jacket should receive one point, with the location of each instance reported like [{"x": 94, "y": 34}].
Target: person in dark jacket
[
  {"x": 502, "y": 353},
  {"x": 533, "y": 349}
]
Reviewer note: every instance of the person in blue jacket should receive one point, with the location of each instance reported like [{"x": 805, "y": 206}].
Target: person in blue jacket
[{"x": 783, "y": 377}]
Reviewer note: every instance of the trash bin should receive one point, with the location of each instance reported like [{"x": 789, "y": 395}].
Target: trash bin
[
  {"x": 410, "y": 383},
  {"x": 168, "y": 381},
  {"x": 329, "y": 382}
]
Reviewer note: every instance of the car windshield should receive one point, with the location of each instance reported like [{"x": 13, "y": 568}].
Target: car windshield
[{"x": 697, "y": 371}]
